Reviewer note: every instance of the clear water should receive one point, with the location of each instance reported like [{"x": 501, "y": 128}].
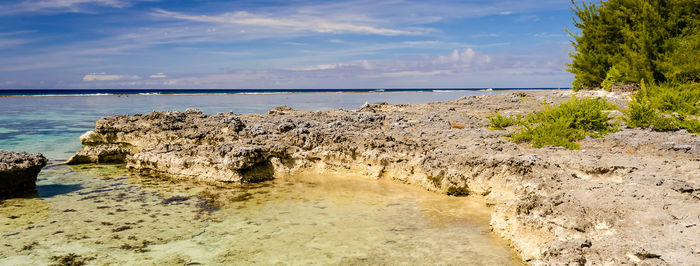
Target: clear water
[
  {"x": 52, "y": 125},
  {"x": 101, "y": 214}
]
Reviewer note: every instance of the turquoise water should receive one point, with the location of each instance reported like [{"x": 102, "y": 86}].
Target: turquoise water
[
  {"x": 102, "y": 214},
  {"x": 52, "y": 125}
]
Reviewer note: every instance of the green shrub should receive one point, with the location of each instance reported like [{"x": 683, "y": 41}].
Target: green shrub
[
  {"x": 665, "y": 107},
  {"x": 499, "y": 121},
  {"x": 640, "y": 114},
  {"x": 564, "y": 124},
  {"x": 692, "y": 125},
  {"x": 556, "y": 133},
  {"x": 586, "y": 114}
]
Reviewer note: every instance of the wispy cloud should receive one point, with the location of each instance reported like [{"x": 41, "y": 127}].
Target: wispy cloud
[
  {"x": 108, "y": 77},
  {"x": 13, "y": 33},
  {"x": 296, "y": 22},
  {"x": 59, "y": 6},
  {"x": 409, "y": 73},
  {"x": 486, "y": 35},
  {"x": 159, "y": 75},
  {"x": 549, "y": 35},
  {"x": 459, "y": 68},
  {"x": 230, "y": 53},
  {"x": 14, "y": 39},
  {"x": 420, "y": 43},
  {"x": 316, "y": 67},
  {"x": 524, "y": 18},
  {"x": 32, "y": 65},
  {"x": 6, "y": 43},
  {"x": 354, "y": 43}
]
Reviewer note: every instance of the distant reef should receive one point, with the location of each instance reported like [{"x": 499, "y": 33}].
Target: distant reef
[
  {"x": 18, "y": 172},
  {"x": 632, "y": 196}
]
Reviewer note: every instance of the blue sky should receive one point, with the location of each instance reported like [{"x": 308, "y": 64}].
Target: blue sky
[{"x": 284, "y": 44}]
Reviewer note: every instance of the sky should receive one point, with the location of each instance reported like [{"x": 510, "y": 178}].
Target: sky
[{"x": 47, "y": 44}]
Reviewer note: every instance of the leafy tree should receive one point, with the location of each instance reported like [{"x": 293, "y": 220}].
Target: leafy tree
[{"x": 654, "y": 40}]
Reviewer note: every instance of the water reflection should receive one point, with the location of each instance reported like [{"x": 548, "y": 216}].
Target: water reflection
[{"x": 47, "y": 191}]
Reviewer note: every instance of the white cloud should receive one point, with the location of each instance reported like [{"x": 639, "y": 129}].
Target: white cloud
[
  {"x": 229, "y": 53},
  {"x": 489, "y": 35},
  {"x": 460, "y": 68},
  {"x": 316, "y": 67},
  {"x": 160, "y": 75},
  {"x": 58, "y": 6},
  {"x": 107, "y": 77},
  {"x": 549, "y": 35},
  {"x": 505, "y": 13},
  {"x": 366, "y": 65},
  {"x": 12, "y": 42},
  {"x": 413, "y": 73},
  {"x": 396, "y": 72},
  {"x": 468, "y": 57},
  {"x": 13, "y": 33},
  {"x": 75, "y": 58},
  {"x": 14, "y": 39},
  {"x": 421, "y": 43},
  {"x": 294, "y": 22}
]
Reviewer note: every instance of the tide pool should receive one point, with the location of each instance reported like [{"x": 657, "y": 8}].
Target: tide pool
[{"x": 100, "y": 214}]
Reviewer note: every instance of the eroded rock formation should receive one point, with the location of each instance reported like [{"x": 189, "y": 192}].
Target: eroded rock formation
[
  {"x": 632, "y": 196},
  {"x": 18, "y": 172}
]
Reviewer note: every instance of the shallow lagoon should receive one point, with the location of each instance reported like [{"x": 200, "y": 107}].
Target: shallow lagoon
[
  {"x": 101, "y": 214},
  {"x": 104, "y": 215}
]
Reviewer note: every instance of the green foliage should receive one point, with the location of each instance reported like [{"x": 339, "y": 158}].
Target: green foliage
[
  {"x": 655, "y": 40},
  {"x": 613, "y": 77},
  {"x": 641, "y": 114},
  {"x": 692, "y": 125},
  {"x": 665, "y": 107},
  {"x": 499, "y": 121},
  {"x": 555, "y": 132},
  {"x": 564, "y": 124},
  {"x": 584, "y": 114}
]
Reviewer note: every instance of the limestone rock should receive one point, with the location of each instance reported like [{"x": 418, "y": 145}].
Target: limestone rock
[
  {"x": 18, "y": 172},
  {"x": 107, "y": 153},
  {"x": 91, "y": 138},
  {"x": 628, "y": 197}
]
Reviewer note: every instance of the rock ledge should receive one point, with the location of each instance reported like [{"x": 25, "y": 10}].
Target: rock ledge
[{"x": 631, "y": 197}]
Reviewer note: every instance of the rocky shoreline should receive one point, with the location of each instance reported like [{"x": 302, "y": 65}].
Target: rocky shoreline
[
  {"x": 631, "y": 197},
  {"x": 18, "y": 173}
]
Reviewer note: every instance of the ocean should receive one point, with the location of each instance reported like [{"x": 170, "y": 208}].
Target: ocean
[
  {"x": 98, "y": 92},
  {"x": 104, "y": 214},
  {"x": 50, "y": 121}
]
